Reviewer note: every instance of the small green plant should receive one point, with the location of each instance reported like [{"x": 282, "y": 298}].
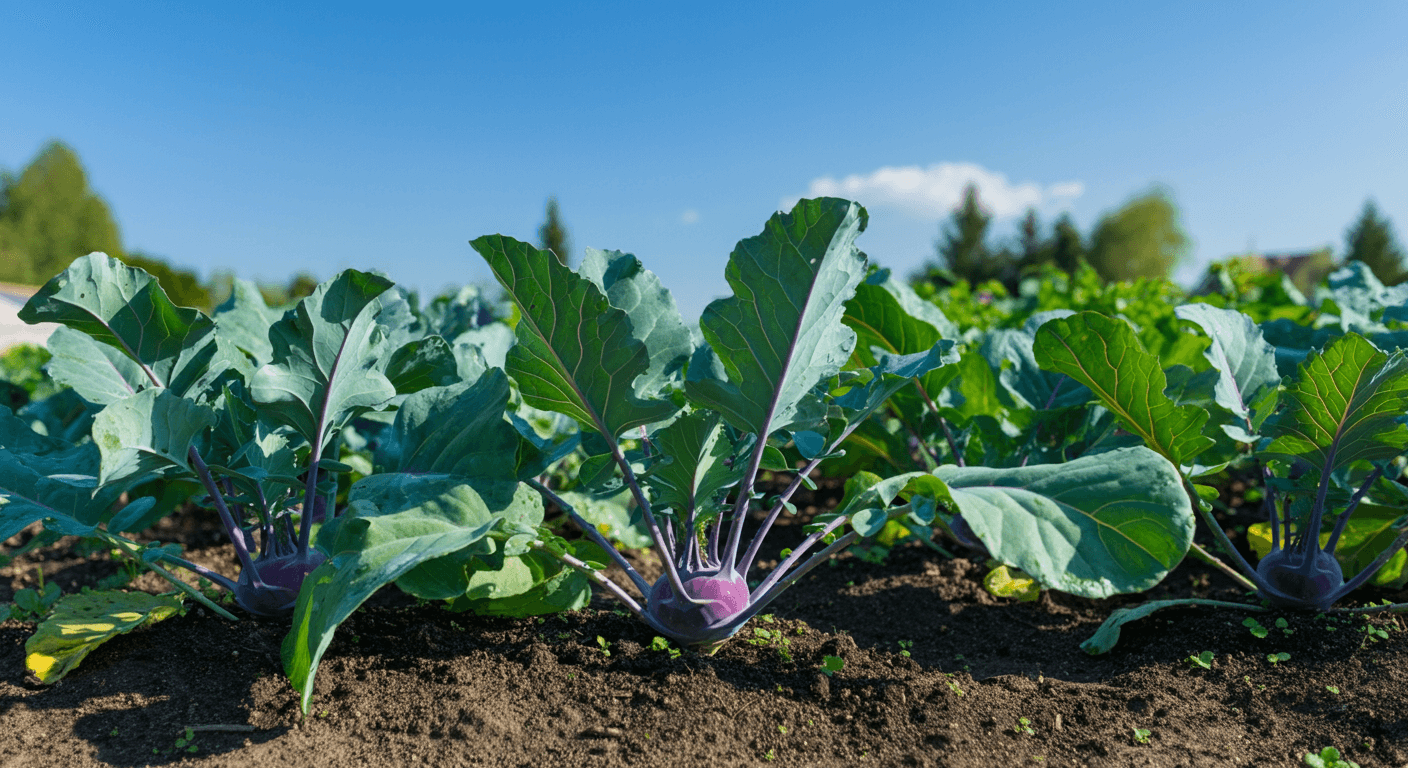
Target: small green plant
[
  {"x": 659, "y": 643},
  {"x": 1255, "y": 626},
  {"x": 771, "y": 755},
  {"x": 1141, "y": 735},
  {"x": 1335, "y": 689},
  {"x": 905, "y": 645},
  {"x": 1024, "y": 725},
  {"x": 184, "y": 742},
  {"x": 1329, "y": 757},
  {"x": 830, "y": 665},
  {"x": 953, "y": 686},
  {"x": 603, "y": 645},
  {"x": 1277, "y": 658},
  {"x": 34, "y": 604},
  {"x": 1284, "y": 626},
  {"x": 1203, "y": 660}
]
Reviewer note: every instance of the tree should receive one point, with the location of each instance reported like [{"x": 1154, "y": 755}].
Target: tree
[
  {"x": 552, "y": 235},
  {"x": 962, "y": 245},
  {"x": 49, "y": 217},
  {"x": 1067, "y": 245},
  {"x": 181, "y": 285},
  {"x": 1371, "y": 240},
  {"x": 1141, "y": 239}
]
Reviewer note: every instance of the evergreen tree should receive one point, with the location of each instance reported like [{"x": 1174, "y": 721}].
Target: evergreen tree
[
  {"x": 552, "y": 235},
  {"x": 1371, "y": 240},
  {"x": 1141, "y": 239},
  {"x": 49, "y": 217},
  {"x": 1067, "y": 246},
  {"x": 962, "y": 245}
]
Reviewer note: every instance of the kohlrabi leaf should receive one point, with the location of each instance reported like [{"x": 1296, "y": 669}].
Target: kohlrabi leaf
[
  {"x": 394, "y": 523},
  {"x": 17, "y": 437},
  {"x": 100, "y": 373},
  {"x": 1245, "y": 363},
  {"x": 1108, "y": 635},
  {"x": 82, "y": 622},
  {"x": 612, "y": 518},
  {"x": 576, "y": 354},
  {"x": 781, "y": 331},
  {"x": 123, "y": 307},
  {"x": 1012, "y": 353},
  {"x": 69, "y": 504},
  {"x": 695, "y": 467},
  {"x": 1097, "y": 526},
  {"x": 454, "y": 430},
  {"x": 889, "y": 317},
  {"x": 421, "y": 364},
  {"x": 1105, "y": 355},
  {"x": 655, "y": 320},
  {"x": 890, "y": 375},
  {"x": 148, "y": 432},
  {"x": 328, "y": 360},
  {"x": 1346, "y": 405},
  {"x": 244, "y": 320},
  {"x": 556, "y": 588}
]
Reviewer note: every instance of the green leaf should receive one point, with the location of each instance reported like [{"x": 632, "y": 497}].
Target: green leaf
[
  {"x": 781, "y": 331},
  {"x": 890, "y": 374},
  {"x": 85, "y": 621},
  {"x": 99, "y": 373},
  {"x": 889, "y": 317},
  {"x": 421, "y": 364},
  {"x": 1345, "y": 406},
  {"x": 694, "y": 470},
  {"x": 655, "y": 320},
  {"x": 1104, "y": 354},
  {"x": 455, "y": 430},
  {"x": 1097, "y": 526},
  {"x": 244, "y": 320},
  {"x": 1005, "y": 581},
  {"x": 556, "y": 588},
  {"x": 1012, "y": 352},
  {"x": 1108, "y": 635},
  {"x": 69, "y": 504},
  {"x": 1245, "y": 363},
  {"x": 394, "y": 523},
  {"x": 329, "y": 357},
  {"x": 611, "y": 516},
  {"x": 123, "y": 307},
  {"x": 576, "y": 354},
  {"x": 146, "y": 433}
]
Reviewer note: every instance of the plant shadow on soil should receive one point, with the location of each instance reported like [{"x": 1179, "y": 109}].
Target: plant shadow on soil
[{"x": 980, "y": 681}]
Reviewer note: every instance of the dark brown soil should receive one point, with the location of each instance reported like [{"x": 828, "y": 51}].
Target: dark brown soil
[{"x": 980, "y": 681}]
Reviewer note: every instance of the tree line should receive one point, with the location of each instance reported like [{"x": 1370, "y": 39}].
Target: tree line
[{"x": 1143, "y": 238}]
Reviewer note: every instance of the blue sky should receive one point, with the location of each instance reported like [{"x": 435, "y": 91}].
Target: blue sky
[{"x": 270, "y": 139}]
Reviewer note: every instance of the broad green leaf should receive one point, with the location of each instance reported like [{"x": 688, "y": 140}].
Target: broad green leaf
[
  {"x": 329, "y": 357},
  {"x": 455, "y": 430},
  {"x": 123, "y": 307},
  {"x": 1104, "y": 354},
  {"x": 576, "y": 354},
  {"x": 451, "y": 576},
  {"x": 71, "y": 504},
  {"x": 82, "y": 622},
  {"x": 889, "y": 317},
  {"x": 148, "y": 432},
  {"x": 1097, "y": 526},
  {"x": 1012, "y": 353},
  {"x": 890, "y": 374},
  {"x": 1369, "y": 532},
  {"x": 421, "y": 364},
  {"x": 611, "y": 516},
  {"x": 1245, "y": 363},
  {"x": 244, "y": 320},
  {"x": 17, "y": 437},
  {"x": 655, "y": 320},
  {"x": 99, "y": 373},
  {"x": 781, "y": 331},
  {"x": 695, "y": 468},
  {"x": 556, "y": 588},
  {"x": 394, "y": 523},
  {"x": 1345, "y": 406},
  {"x": 1108, "y": 635}
]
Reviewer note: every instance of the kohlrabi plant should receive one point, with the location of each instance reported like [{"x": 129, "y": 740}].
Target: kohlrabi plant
[{"x": 687, "y": 430}]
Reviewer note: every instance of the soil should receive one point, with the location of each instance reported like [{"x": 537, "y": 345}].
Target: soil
[{"x": 938, "y": 672}]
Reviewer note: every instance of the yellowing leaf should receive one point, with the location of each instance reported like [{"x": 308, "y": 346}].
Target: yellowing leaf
[
  {"x": 85, "y": 621},
  {"x": 1011, "y": 582}
]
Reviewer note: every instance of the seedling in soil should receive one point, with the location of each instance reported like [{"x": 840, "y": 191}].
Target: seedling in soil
[
  {"x": 1257, "y": 630},
  {"x": 34, "y": 604},
  {"x": 952, "y": 686},
  {"x": 1335, "y": 689},
  {"x": 659, "y": 643},
  {"x": 1023, "y": 726},
  {"x": 603, "y": 645},
  {"x": 1329, "y": 757},
  {"x": 184, "y": 742},
  {"x": 905, "y": 645},
  {"x": 1141, "y": 735},
  {"x": 1276, "y": 658},
  {"x": 1203, "y": 660},
  {"x": 830, "y": 665},
  {"x": 1284, "y": 626}
]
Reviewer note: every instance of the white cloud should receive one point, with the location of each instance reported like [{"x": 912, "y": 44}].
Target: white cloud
[
  {"x": 935, "y": 191},
  {"x": 690, "y": 216}
]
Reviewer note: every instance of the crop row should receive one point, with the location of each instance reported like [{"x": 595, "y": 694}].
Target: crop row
[{"x": 356, "y": 440}]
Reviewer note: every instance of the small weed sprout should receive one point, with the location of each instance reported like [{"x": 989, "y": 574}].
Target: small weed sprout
[
  {"x": 905, "y": 645},
  {"x": 603, "y": 645},
  {"x": 830, "y": 665},
  {"x": 1141, "y": 735},
  {"x": 1203, "y": 660},
  {"x": 1277, "y": 658},
  {"x": 1329, "y": 757},
  {"x": 1257, "y": 630},
  {"x": 1023, "y": 726}
]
